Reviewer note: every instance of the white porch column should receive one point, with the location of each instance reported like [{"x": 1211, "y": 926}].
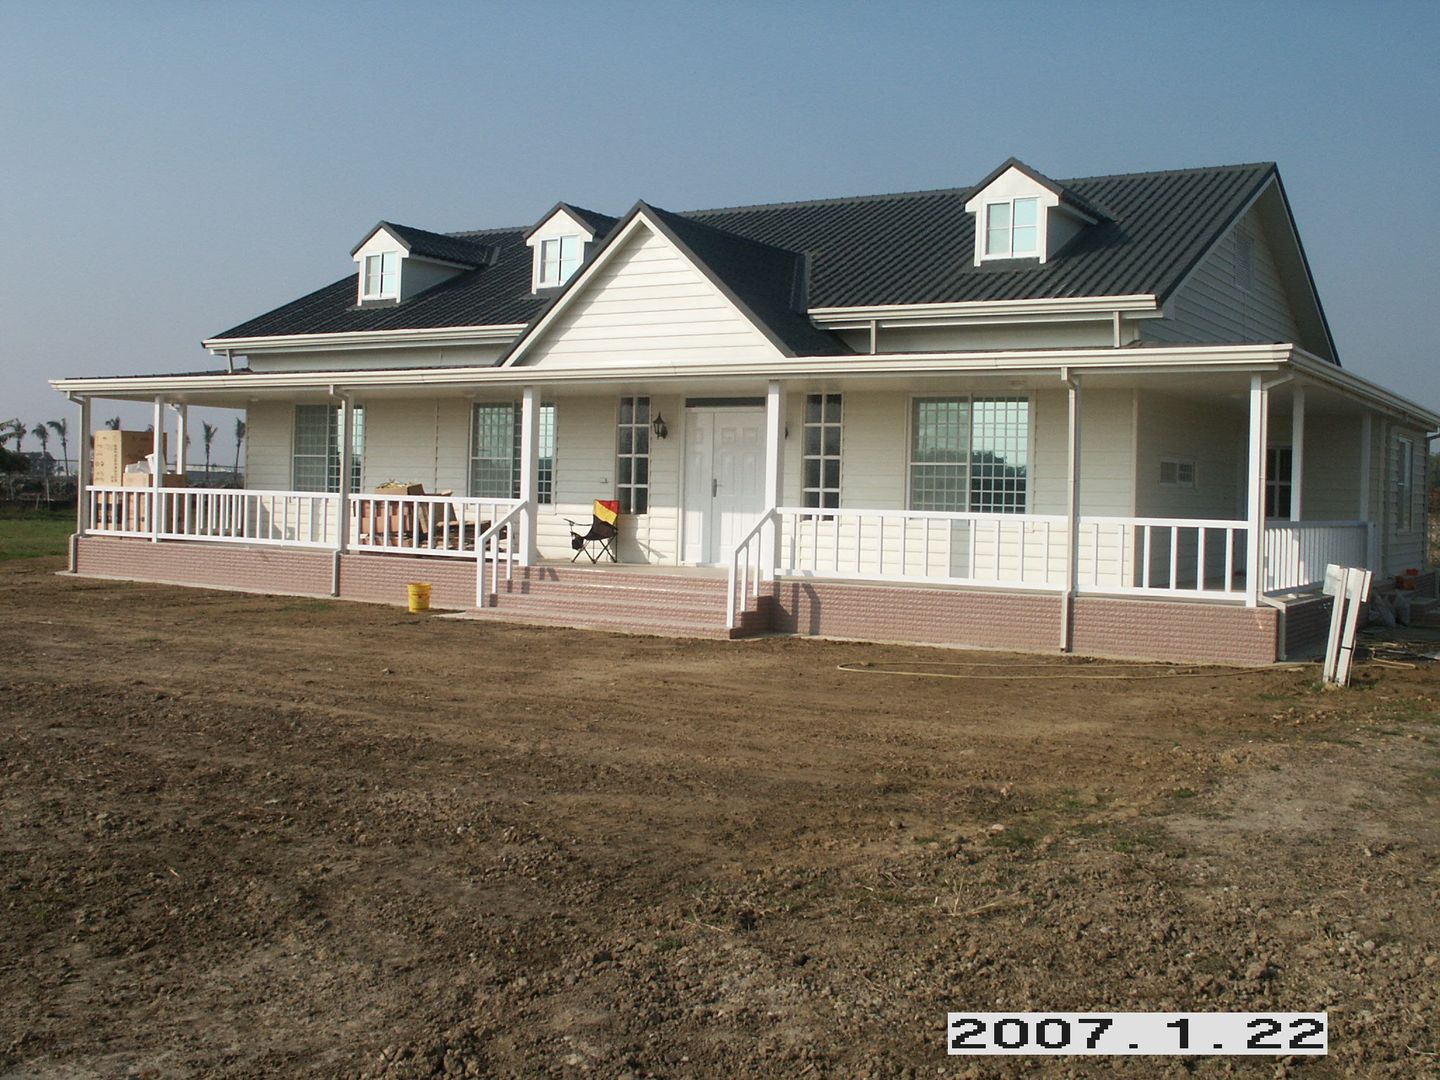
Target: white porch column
[
  {"x": 1255, "y": 516},
  {"x": 1297, "y": 451},
  {"x": 529, "y": 473},
  {"x": 82, "y": 482},
  {"x": 775, "y": 408},
  {"x": 1072, "y": 517},
  {"x": 157, "y": 474},
  {"x": 182, "y": 431},
  {"x": 342, "y": 503}
]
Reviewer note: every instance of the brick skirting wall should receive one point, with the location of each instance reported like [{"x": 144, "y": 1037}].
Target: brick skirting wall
[
  {"x": 1103, "y": 626},
  {"x": 221, "y": 566},
  {"x": 1180, "y": 632},
  {"x": 975, "y": 617},
  {"x": 381, "y": 579},
  {"x": 1130, "y": 629}
]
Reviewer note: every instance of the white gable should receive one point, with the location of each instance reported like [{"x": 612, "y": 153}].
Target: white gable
[
  {"x": 560, "y": 223},
  {"x": 644, "y": 304},
  {"x": 381, "y": 240}
]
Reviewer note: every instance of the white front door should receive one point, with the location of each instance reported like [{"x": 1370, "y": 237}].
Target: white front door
[{"x": 724, "y": 479}]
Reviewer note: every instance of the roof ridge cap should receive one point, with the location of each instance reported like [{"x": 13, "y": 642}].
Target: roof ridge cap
[
  {"x": 827, "y": 201},
  {"x": 1171, "y": 172}
]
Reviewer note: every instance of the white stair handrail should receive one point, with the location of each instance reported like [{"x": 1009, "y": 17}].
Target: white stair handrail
[
  {"x": 490, "y": 540},
  {"x": 740, "y": 568}
]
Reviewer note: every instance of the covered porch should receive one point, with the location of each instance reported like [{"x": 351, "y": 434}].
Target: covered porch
[{"x": 1226, "y": 480}]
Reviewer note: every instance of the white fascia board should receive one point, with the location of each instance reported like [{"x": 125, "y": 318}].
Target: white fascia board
[
  {"x": 1186, "y": 358},
  {"x": 832, "y": 318},
  {"x": 497, "y": 334},
  {"x": 1321, "y": 370}
]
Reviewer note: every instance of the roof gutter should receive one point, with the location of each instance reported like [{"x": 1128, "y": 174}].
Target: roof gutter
[
  {"x": 1320, "y": 370},
  {"x": 899, "y": 314}
]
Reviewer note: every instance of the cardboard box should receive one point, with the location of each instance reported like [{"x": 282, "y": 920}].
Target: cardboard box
[
  {"x": 111, "y": 451},
  {"x": 400, "y": 489},
  {"x": 144, "y": 480}
]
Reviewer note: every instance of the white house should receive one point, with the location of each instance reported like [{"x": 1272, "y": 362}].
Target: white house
[{"x": 1103, "y": 415}]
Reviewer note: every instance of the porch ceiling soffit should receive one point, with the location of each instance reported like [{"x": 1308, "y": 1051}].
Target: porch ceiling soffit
[{"x": 761, "y": 283}]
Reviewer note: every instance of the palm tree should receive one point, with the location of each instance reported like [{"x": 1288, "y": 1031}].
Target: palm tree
[
  {"x": 113, "y": 423},
  {"x": 41, "y": 432},
  {"x": 61, "y": 428},
  {"x": 12, "y": 429},
  {"x": 239, "y": 438},
  {"x": 207, "y": 436}
]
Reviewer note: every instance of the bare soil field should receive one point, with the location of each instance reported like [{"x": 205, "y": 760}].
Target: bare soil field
[{"x": 261, "y": 836}]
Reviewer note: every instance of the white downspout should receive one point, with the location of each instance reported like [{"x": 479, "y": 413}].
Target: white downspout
[{"x": 1072, "y": 514}]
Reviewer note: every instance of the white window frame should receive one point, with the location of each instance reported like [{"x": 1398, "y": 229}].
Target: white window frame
[
  {"x": 1181, "y": 466},
  {"x": 1403, "y": 483},
  {"x": 626, "y": 489},
  {"x": 822, "y": 495},
  {"x": 331, "y": 456},
  {"x": 968, "y": 465},
  {"x": 1009, "y": 230},
  {"x": 379, "y": 260},
  {"x": 554, "y": 265}
]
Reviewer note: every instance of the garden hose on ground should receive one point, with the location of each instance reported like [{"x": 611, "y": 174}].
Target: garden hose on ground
[{"x": 1072, "y": 671}]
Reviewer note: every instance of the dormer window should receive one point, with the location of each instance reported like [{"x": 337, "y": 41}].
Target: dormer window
[
  {"x": 1012, "y": 229},
  {"x": 382, "y": 276},
  {"x": 559, "y": 258}
]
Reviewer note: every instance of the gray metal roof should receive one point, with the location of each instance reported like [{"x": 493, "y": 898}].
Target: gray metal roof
[{"x": 909, "y": 248}]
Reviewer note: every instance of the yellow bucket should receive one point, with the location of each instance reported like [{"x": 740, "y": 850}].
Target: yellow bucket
[{"x": 419, "y": 595}]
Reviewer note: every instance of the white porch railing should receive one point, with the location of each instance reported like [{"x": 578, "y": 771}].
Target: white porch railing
[
  {"x": 423, "y": 524},
  {"x": 1181, "y": 557},
  {"x": 1189, "y": 558},
  {"x": 496, "y": 540},
  {"x": 288, "y": 518},
  {"x": 1297, "y": 552}
]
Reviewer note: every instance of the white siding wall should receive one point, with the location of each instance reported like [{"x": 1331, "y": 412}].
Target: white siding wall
[
  {"x": 1212, "y": 307},
  {"x": 1057, "y": 335},
  {"x": 1213, "y": 438},
  {"x": 268, "y": 440},
  {"x": 648, "y": 306}
]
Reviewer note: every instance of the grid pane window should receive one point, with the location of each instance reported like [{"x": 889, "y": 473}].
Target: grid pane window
[
  {"x": 999, "y": 455},
  {"x": 495, "y": 436},
  {"x": 632, "y": 455},
  {"x": 970, "y": 454},
  {"x": 315, "y": 460},
  {"x": 495, "y": 451},
  {"x": 821, "y": 447}
]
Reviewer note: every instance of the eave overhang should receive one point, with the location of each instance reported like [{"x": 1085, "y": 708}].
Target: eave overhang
[{"x": 497, "y": 334}]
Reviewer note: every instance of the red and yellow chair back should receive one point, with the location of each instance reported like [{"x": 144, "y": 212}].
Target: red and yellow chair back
[{"x": 607, "y": 510}]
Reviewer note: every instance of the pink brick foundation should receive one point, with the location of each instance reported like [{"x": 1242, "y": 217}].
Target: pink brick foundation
[{"x": 1103, "y": 626}]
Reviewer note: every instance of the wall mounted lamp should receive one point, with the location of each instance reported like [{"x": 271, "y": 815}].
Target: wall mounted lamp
[{"x": 659, "y": 426}]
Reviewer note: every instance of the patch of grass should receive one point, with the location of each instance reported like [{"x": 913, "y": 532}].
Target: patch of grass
[
  {"x": 668, "y": 944},
  {"x": 1184, "y": 793},
  {"x": 34, "y": 534},
  {"x": 1019, "y": 835}
]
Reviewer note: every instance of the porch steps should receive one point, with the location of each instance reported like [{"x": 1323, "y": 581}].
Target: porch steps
[{"x": 611, "y": 598}]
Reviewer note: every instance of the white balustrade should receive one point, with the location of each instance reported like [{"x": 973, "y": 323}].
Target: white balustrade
[
  {"x": 423, "y": 524},
  {"x": 1297, "y": 552}
]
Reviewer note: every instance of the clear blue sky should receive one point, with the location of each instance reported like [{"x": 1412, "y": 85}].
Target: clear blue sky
[{"x": 169, "y": 170}]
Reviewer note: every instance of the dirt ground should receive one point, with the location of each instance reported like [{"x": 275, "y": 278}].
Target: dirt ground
[{"x": 250, "y": 836}]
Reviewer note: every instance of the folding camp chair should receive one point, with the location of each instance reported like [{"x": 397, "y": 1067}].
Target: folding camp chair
[{"x": 600, "y": 539}]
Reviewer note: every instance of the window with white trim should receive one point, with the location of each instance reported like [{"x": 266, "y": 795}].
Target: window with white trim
[
  {"x": 381, "y": 279},
  {"x": 821, "y": 450},
  {"x": 632, "y": 457},
  {"x": 315, "y": 454},
  {"x": 558, "y": 259},
  {"x": 1278, "y": 460},
  {"x": 495, "y": 436},
  {"x": 970, "y": 454},
  {"x": 1404, "y": 484},
  {"x": 1012, "y": 228},
  {"x": 1177, "y": 472}
]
